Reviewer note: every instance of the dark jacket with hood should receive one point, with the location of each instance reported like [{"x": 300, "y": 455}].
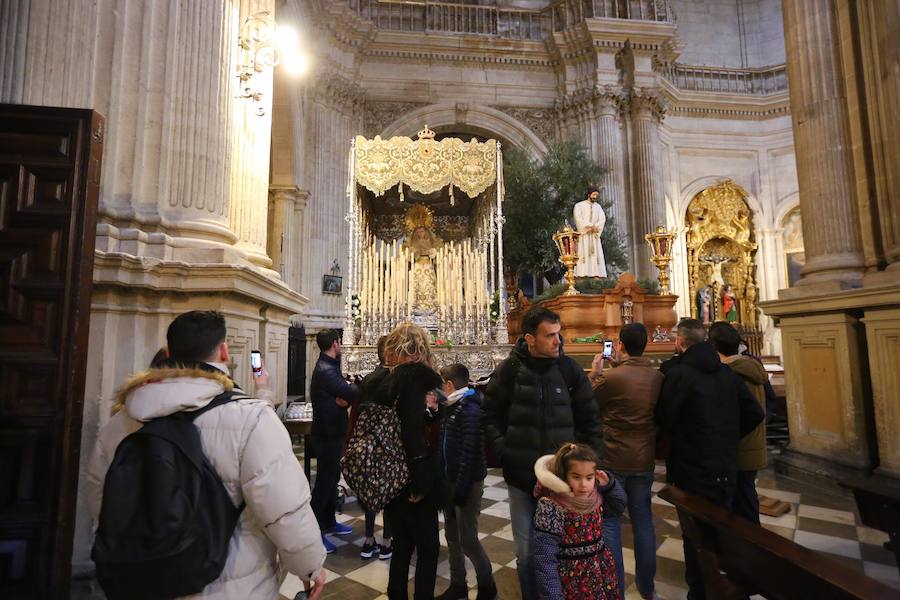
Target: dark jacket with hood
[
  {"x": 462, "y": 445},
  {"x": 534, "y": 405},
  {"x": 706, "y": 409},
  {"x": 404, "y": 387}
]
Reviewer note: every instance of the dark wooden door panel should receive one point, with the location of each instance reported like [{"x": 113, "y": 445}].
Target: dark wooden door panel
[{"x": 49, "y": 186}]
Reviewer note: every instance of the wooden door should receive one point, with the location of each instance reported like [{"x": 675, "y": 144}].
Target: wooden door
[{"x": 49, "y": 186}]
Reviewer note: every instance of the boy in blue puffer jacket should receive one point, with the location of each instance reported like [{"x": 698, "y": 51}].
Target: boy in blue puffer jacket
[{"x": 462, "y": 460}]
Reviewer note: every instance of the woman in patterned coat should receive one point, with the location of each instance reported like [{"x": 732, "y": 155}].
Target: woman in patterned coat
[{"x": 570, "y": 557}]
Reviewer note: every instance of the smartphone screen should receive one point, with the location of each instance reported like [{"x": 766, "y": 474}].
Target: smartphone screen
[
  {"x": 607, "y": 348},
  {"x": 256, "y": 362}
]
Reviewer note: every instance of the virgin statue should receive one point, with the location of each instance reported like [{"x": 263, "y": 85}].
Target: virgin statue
[{"x": 422, "y": 243}]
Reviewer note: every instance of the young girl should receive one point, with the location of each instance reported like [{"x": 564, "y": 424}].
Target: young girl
[{"x": 571, "y": 560}]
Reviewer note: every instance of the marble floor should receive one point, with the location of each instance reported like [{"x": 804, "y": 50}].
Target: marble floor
[{"x": 823, "y": 519}]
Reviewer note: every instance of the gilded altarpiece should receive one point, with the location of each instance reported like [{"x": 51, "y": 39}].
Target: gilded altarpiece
[{"x": 721, "y": 246}]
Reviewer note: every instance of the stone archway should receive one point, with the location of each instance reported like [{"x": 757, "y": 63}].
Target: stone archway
[
  {"x": 721, "y": 245},
  {"x": 472, "y": 120}
]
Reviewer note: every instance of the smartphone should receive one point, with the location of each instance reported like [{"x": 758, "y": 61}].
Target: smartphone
[
  {"x": 256, "y": 362},
  {"x": 607, "y": 348}
]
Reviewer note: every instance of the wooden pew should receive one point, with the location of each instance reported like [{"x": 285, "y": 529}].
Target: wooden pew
[
  {"x": 739, "y": 558},
  {"x": 879, "y": 508}
]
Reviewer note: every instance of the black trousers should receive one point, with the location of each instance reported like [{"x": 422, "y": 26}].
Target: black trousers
[
  {"x": 415, "y": 528},
  {"x": 693, "y": 571},
  {"x": 746, "y": 501},
  {"x": 328, "y": 474}
]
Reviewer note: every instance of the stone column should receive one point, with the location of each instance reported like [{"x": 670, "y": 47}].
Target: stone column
[
  {"x": 648, "y": 204},
  {"x": 825, "y": 173},
  {"x": 251, "y": 136},
  {"x": 608, "y": 154},
  {"x": 165, "y": 92}
]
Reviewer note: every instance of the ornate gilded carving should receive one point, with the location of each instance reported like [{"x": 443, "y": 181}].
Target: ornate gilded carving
[
  {"x": 721, "y": 245},
  {"x": 425, "y": 165}
]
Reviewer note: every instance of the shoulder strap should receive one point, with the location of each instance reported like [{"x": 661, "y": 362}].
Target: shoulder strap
[{"x": 223, "y": 398}]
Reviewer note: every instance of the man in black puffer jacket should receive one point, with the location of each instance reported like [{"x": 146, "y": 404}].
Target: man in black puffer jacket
[
  {"x": 537, "y": 400},
  {"x": 706, "y": 409}
]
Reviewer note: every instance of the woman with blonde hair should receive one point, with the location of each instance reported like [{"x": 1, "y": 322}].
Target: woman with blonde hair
[{"x": 414, "y": 513}]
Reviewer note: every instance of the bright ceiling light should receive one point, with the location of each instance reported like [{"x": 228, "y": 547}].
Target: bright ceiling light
[
  {"x": 286, "y": 39},
  {"x": 295, "y": 63}
]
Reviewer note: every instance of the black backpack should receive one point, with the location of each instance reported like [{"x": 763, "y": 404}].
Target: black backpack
[{"x": 166, "y": 518}]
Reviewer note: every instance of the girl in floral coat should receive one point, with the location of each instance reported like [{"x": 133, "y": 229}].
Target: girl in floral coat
[{"x": 571, "y": 559}]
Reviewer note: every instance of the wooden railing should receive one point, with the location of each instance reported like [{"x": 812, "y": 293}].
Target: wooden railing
[
  {"x": 568, "y": 13},
  {"x": 770, "y": 80},
  {"x": 505, "y": 23},
  {"x": 448, "y": 17}
]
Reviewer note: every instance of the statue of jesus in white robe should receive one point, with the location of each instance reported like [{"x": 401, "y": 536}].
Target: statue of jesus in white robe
[{"x": 589, "y": 220}]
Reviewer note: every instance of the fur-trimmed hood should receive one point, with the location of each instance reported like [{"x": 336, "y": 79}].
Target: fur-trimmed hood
[
  {"x": 548, "y": 479},
  {"x": 160, "y": 392}
]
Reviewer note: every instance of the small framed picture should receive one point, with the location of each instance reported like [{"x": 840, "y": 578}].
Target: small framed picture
[{"x": 332, "y": 284}]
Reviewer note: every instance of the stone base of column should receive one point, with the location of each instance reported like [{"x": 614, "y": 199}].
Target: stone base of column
[
  {"x": 135, "y": 298},
  {"x": 814, "y": 470}
]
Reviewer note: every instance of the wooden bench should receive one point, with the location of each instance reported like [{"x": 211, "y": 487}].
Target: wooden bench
[
  {"x": 739, "y": 558},
  {"x": 879, "y": 508}
]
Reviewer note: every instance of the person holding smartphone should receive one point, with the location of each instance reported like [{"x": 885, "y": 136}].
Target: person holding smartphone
[
  {"x": 626, "y": 395},
  {"x": 331, "y": 395}
]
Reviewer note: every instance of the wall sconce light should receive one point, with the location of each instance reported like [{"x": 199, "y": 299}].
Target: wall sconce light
[{"x": 264, "y": 45}]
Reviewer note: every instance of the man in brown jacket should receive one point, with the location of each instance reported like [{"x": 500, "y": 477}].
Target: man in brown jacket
[
  {"x": 626, "y": 396},
  {"x": 751, "y": 456}
]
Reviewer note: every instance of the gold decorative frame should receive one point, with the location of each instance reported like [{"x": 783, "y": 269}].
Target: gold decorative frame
[{"x": 719, "y": 221}]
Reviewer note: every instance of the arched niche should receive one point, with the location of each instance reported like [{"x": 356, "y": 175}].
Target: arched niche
[
  {"x": 721, "y": 246},
  {"x": 792, "y": 242}
]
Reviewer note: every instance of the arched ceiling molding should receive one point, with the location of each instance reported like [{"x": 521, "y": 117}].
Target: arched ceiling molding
[
  {"x": 473, "y": 119},
  {"x": 785, "y": 205}
]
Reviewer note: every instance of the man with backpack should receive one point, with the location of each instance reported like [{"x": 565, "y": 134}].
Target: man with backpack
[
  {"x": 537, "y": 399},
  {"x": 196, "y": 485}
]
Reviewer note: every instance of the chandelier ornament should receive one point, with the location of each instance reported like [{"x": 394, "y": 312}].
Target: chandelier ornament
[{"x": 264, "y": 45}]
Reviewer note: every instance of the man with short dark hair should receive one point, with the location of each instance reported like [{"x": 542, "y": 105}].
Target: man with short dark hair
[
  {"x": 626, "y": 396},
  {"x": 536, "y": 400},
  {"x": 330, "y": 394},
  {"x": 706, "y": 409},
  {"x": 248, "y": 447},
  {"x": 752, "y": 454}
]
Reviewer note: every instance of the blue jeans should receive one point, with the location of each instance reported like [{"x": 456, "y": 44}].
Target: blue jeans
[
  {"x": 637, "y": 488},
  {"x": 522, "y": 505}
]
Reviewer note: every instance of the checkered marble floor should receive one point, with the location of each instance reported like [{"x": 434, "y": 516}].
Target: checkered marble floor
[{"x": 822, "y": 519}]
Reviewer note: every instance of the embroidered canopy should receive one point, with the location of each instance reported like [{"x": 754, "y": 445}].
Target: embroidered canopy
[{"x": 425, "y": 164}]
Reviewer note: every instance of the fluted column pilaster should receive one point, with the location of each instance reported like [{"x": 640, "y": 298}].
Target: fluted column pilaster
[
  {"x": 608, "y": 154},
  {"x": 251, "y": 137},
  {"x": 648, "y": 208},
  {"x": 824, "y": 150},
  {"x": 160, "y": 73}
]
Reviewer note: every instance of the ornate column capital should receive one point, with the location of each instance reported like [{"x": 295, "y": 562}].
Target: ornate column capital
[
  {"x": 338, "y": 91},
  {"x": 648, "y": 103},
  {"x": 610, "y": 101}
]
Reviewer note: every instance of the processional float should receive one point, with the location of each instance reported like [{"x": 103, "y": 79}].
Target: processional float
[{"x": 426, "y": 246}]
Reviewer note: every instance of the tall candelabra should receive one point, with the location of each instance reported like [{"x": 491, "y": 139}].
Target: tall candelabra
[
  {"x": 661, "y": 254},
  {"x": 566, "y": 240}
]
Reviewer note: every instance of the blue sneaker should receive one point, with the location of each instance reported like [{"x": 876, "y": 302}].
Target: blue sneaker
[
  {"x": 329, "y": 547},
  {"x": 339, "y": 529}
]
